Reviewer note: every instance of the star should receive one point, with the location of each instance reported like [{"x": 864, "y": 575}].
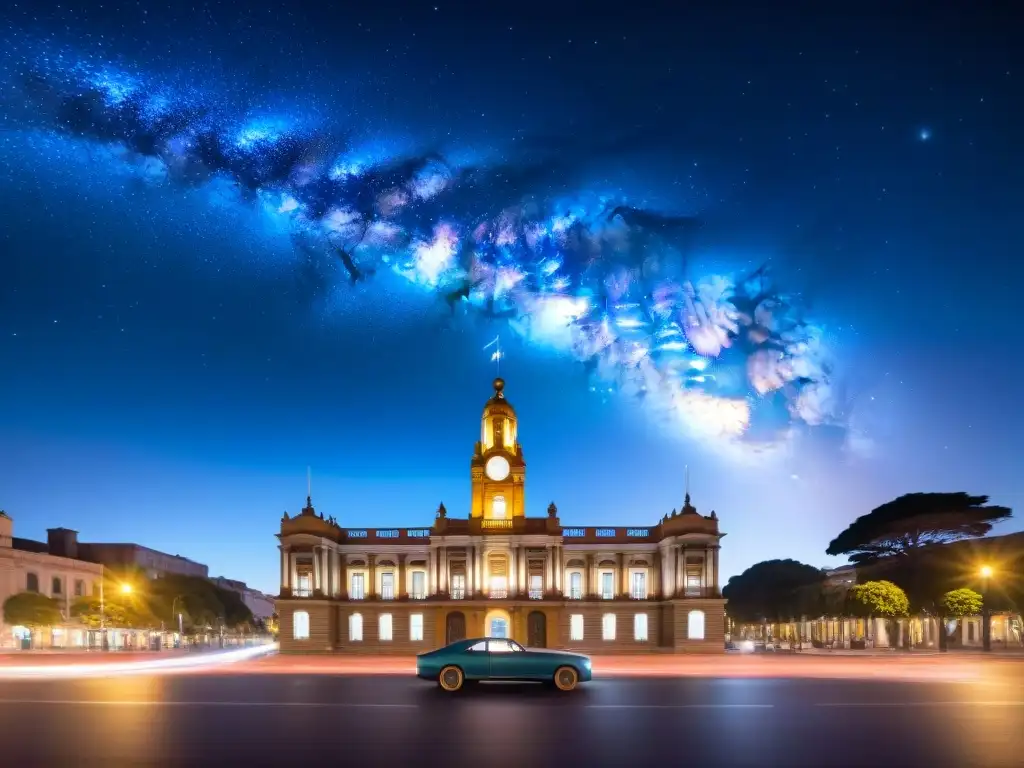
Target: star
[{"x": 924, "y": 134}]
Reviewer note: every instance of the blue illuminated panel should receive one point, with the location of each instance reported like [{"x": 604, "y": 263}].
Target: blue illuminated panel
[
  {"x": 574, "y": 532},
  {"x": 417, "y": 533},
  {"x": 605, "y": 532},
  {"x": 358, "y": 534},
  {"x": 637, "y": 532},
  {"x": 389, "y": 534}
]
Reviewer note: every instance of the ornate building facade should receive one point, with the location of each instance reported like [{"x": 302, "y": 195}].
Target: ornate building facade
[{"x": 499, "y": 573}]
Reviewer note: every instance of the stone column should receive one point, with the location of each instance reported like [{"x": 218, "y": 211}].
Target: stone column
[
  {"x": 402, "y": 588},
  {"x": 589, "y": 587},
  {"x": 681, "y": 572},
  {"x": 316, "y": 569},
  {"x": 443, "y": 585},
  {"x": 513, "y": 573},
  {"x": 285, "y": 570},
  {"x": 523, "y": 563},
  {"x": 708, "y": 580},
  {"x": 655, "y": 575},
  {"x": 328, "y": 572},
  {"x": 431, "y": 571},
  {"x": 293, "y": 568},
  {"x": 559, "y": 569},
  {"x": 371, "y": 588},
  {"x": 480, "y": 586},
  {"x": 549, "y": 581},
  {"x": 342, "y": 577},
  {"x": 623, "y": 580}
]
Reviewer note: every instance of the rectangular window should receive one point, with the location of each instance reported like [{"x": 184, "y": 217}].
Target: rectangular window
[
  {"x": 303, "y": 590},
  {"x": 638, "y": 589},
  {"x": 355, "y": 628},
  {"x": 416, "y": 627},
  {"x": 79, "y": 588},
  {"x": 300, "y": 625},
  {"x": 384, "y": 627},
  {"x": 419, "y": 585},
  {"x": 458, "y": 586},
  {"x": 607, "y": 586},
  {"x": 358, "y": 587},
  {"x": 536, "y": 587},
  {"x": 970, "y": 631},
  {"x": 576, "y": 586},
  {"x": 576, "y": 627},
  {"x": 608, "y": 626},
  {"x": 387, "y": 586},
  {"x": 58, "y": 587},
  {"x": 640, "y": 627}
]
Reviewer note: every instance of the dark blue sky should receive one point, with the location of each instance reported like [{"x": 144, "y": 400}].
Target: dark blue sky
[{"x": 170, "y": 370}]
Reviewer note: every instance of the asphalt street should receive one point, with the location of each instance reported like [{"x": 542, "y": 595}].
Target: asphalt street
[{"x": 400, "y": 721}]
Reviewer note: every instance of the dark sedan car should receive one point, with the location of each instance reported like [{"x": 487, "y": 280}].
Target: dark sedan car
[{"x": 501, "y": 659}]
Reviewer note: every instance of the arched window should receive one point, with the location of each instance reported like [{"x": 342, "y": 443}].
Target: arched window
[
  {"x": 300, "y": 625},
  {"x": 355, "y": 628},
  {"x": 498, "y": 508},
  {"x": 56, "y": 586},
  {"x": 695, "y": 625},
  {"x": 32, "y": 582},
  {"x": 608, "y": 626}
]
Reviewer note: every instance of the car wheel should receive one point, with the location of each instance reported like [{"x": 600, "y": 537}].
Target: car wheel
[
  {"x": 451, "y": 679},
  {"x": 566, "y": 678}
]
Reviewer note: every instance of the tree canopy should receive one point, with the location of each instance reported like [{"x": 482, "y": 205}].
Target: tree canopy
[
  {"x": 31, "y": 609},
  {"x": 774, "y": 590},
  {"x": 880, "y": 598},
  {"x": 914, "y": 521},
  {"x": 961, "y": 602}
]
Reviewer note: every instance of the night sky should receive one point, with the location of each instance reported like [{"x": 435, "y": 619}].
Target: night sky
[{"x": 180, "y": 339}]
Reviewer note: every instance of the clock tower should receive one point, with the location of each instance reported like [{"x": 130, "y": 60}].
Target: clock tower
[{"x": 498, "y": 470}]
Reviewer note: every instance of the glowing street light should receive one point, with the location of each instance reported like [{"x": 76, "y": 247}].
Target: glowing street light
[
  {"x": 986, "y": 622},
  {"x": 126, "y": 589}
]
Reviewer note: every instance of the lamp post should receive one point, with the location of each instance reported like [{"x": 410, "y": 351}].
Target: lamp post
[
  {"x": 986, "y": 623},
  {"x": 103, "y": 619}
]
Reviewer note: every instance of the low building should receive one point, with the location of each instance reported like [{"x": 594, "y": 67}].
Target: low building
[
  {"x": 47, "y": 568},
  {"x": 261, "y": 605},
  {"x": 153, "y": 562},
  {"x": 500, "y": 573}
]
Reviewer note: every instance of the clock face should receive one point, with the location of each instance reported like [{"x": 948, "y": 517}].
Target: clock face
[{"x": 497, "y": 468}]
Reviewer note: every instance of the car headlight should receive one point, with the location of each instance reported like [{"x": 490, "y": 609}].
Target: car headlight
[{"x": 586, "y": 663}]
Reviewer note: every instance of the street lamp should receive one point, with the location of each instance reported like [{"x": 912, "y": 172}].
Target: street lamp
[
  {"x": 174, "y": 603},
  {"x": 986, "y": 623},
  {"x": 126, "y": 589}
]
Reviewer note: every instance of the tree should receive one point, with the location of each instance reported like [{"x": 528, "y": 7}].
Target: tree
[
  {"x": 773, "y": 591},
  {"x": 118, "y": 613},
  {"x": 881, "y": 598},
  {"x": 914, "y": 521},
  {"x": 33, "y": 610},
  {"x": 893, "y": 541},
  {"x": 957, "y": 603},
  {"x": 961, "y": 602}
]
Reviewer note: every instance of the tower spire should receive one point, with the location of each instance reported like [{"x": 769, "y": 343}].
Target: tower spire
[
  {"x": 687, "y": 473},
  {"x": 309, "y": 486}
]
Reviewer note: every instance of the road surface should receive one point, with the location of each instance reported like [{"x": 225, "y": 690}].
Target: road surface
[{"x": 392, "y": 720}]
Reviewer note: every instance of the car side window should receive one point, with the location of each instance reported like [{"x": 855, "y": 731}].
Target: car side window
[
  {"x": 516, "y": 646},
  {"x": 477, "y": 647},
  {"x": 503, "y": 646}
]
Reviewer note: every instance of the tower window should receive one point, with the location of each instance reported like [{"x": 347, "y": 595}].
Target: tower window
[{"x": 498, "y": 508}]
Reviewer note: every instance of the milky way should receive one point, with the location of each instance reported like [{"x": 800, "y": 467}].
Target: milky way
[{"x": 727, "y": 357}]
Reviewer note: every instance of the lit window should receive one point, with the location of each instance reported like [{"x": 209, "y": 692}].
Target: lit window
[
  {"x": 355, "y": 628},
  {"x": 416, "y": 627},
  {"x": 358, "y": 591},
  {"x": 79, "y": 588},
  {"x": 695, "y": 625},
  {"x": 498, "y": 508},
  {"x": 576, "y": 585},
  {"x": 419, "y": 589},
  {"x": 387, "y": 586},
  {"x": 303, "y": 590},
  {"x": 607, "y": 585},
  {"x": 384, "y": 627},
  {"x": 639, "y": 586},
  {"x": 608, "y": 626},
  {"x": 576, "y": 627},
  {"x": 300, "y": 625},
  {"x": 640, "y": 627}
]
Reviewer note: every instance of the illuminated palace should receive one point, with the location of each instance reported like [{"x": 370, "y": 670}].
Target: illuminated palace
[{"x": 499, "y": 573}]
